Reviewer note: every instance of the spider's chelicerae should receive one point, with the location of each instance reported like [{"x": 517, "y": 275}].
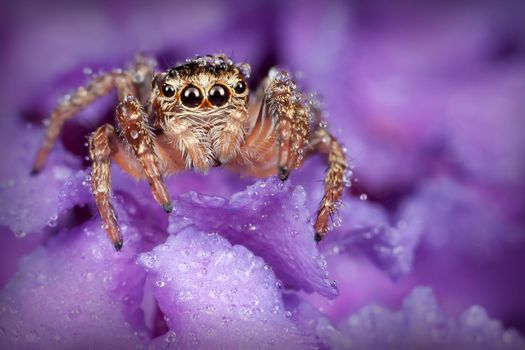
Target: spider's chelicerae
[{"x": 199, "y": 115}]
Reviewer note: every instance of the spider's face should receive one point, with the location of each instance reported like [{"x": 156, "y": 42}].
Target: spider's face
[
  {"x": 203, "y": 104},
  {"x": 203, "y": 86}
]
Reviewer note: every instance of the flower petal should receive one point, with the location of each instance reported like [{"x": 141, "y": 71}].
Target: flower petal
[
  {"x": 75, "y": 292},
  {"x": 367, "y": 229},
  {"x": 269, "y": 218},
  {"x": 29, "y": 203},
  {"x": 420, "y": 324},
  {"x": 461, "y": 218},
  {"x": 217, "y": 295}
]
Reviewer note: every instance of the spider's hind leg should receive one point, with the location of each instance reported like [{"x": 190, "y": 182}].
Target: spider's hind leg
[{"x": 293, "y": 124}]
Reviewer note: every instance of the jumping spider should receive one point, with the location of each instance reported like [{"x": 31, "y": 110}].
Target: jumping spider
[{"x": 198, "y": 115}]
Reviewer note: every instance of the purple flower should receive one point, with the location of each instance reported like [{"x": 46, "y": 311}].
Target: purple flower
[{"x": 428, "y": 101}]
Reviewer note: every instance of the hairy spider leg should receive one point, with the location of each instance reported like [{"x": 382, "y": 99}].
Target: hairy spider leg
[
  {"x": 325, "y": 143},
  {"x": 127, "y": 83},
  {"x": 134, "y": 129},
  {"x": 279, "y": 132},
  {"x": 289, "y": 114},
  {"x": 102, "y": 146},
  {"x": 135, "y": 138}
]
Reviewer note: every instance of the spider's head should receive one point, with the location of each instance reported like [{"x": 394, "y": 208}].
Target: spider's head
[
  {"x": 203, "y": 85},
  {"x": 203, "y": 104}
]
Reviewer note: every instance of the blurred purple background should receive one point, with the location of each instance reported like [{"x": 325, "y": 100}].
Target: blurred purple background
[{"x": 428, "y": 97}]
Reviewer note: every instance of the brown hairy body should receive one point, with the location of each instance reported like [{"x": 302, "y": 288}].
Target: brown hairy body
[{"x": 196, "y": 116}]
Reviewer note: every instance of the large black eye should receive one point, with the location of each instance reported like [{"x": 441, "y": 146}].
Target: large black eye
[
  {"x": 240, "y": 87},
  {"x": 168, "y": 90},
  {"x": 191, "y": 96},
  {"x": 218, "y": 95}
]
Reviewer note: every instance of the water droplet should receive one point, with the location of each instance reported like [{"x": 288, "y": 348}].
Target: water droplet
[
  {"x": 134, "y": 134},
  {"x": 171, "y": 336},
  {"x": 149, "y": 260},
  {"x": 363, "y": 197},
  {"x": 138, "y": 77},
  {"x": 81, "y": 91},
  {"x": 336, "y": 221},
  {"x": 75, "y": 312},
  {"x": 20, "y": 234},
  {"x": 323, "y": 124},
  {"x": 52, "y": 221},
  {"x": 227, "y": 320},
  {"x": 160, "y": 283},
  {"x": 89, "y": 276}
]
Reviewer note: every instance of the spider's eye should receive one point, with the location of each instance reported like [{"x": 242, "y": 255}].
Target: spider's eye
[
  {"x": 240, "y": 87},
  {"x": 218, "y": 95},
  {"x": 168, "y": 90},
  {"x": 191, "y": 96}
]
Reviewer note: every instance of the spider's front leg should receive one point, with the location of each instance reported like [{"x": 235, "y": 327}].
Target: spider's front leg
[
  {"x": 283, "y": 118},
  {"x": 102, "y": 146},
  {"x": 133, "y": 123},
  {"x": 129, "y": 82},
  {"x": 105, "y": 144},
  {"x": 291, "y": 119}
]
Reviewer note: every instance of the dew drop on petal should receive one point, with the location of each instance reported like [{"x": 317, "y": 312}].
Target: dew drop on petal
[
  {"x": 20, "y": 234},
  {"x": 160, "y": 284}
]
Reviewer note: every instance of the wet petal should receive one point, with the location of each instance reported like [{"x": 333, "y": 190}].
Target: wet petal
[
  {"x": 367, "y": 229},
  {"x": 421, "y": 324},
  {"x": 312, "y": 321},
  {"x": 270, "y": 219},
  {"x": 29, "y": 203},
  {"x": 75, "y": 292},
  {"x": 217, "y": 295}
]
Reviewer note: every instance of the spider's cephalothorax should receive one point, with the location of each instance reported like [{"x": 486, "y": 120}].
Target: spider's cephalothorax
[
  {"x": 199, "y": 115},
  {"x": 202, "y": 107}
]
